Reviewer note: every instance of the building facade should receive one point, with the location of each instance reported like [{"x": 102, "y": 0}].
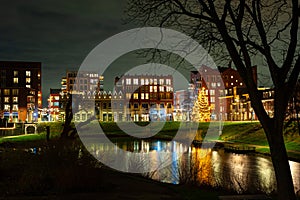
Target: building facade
[{"x": 20, "y": 93}]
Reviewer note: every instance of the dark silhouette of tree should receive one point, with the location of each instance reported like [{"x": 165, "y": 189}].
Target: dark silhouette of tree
[{"x": 243, "y": 30}]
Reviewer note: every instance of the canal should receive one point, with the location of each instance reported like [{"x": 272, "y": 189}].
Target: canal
[{"x": 242, "y": 173}]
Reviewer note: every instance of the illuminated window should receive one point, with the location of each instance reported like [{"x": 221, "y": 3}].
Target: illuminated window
[
  {"x": 28, "y": 73},
  {"x": 28, "y": 86},
  {"x": 128, "y": 81},
  {"x": 142, "y": 81},
  {"x": 168, "y": 81},
  {"x": 135, "y": 81},
  {"x": 6, "y": 107},
  {"x": 128, "y": 95},
  {"x": 241, "y": 83},
  {"x": 155, "y": 88},
  {"x": 15, "y": 73},
  {"x": 212, "y": 92},
  {"x": 6, "y": 99},
  {"x": 231, "y": 76},
  {"x": 212, "y": 99},
  {"x": 161, "y": 81},
  {"x": 236, "y": 80},
  {"x": 6, "y": 92},
  {"x": 15, "y": 99},
  {"x": 155, "y": 81},
  {"x": 151, "y": 88},
  {"x": 135, "y": 96},
  {"x": 231, "y": 83},
  {"x": 147, "y": 96},
  {"x": 28, "y": 80},
  {"x": 16, "y": 80},
  {"x": 146, "y": 81},
  {"x": 15, "y": 107},
  {"x": 151, "y": 81},
  {"x": 161, "y": 88},
  {"x": 142, "y": 96}
]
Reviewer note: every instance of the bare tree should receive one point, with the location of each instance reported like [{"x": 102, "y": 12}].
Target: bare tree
[{"x": 243, "y": 30}]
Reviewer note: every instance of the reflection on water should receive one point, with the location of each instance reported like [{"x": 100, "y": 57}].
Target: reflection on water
[{"x": 242, "y": 173}]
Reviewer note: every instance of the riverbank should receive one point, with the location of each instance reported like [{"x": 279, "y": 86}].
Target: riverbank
[{"x": 238, "y": 133}]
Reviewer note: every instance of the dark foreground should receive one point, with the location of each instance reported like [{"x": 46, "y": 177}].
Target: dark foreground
[{"x": 63, "y": 170}]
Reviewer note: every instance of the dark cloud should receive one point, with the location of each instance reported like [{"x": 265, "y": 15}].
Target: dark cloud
[{"x": 57, "y": 33}]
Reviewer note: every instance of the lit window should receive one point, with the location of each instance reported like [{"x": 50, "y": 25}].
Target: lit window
[
  {"x": 155, "y": 88},
  {"x": 146, "y": 81},
  {"x": 128, "y": 95},
  {"x": 142, "y": 81},
  {"x": 135, "y": 96},
  {"x": 168, "y": 81},
  {"x": 236, "y": 80},
  {"x": 151, "y": 81},
  {"x": 155, "y": 81},
  {"x": 6, "y": 107},
  {"x": 135, "y": 81},
  {"x": 161, "y": 88},
  {"x": 16, "y": 80},
  {"x": 15, "y": 73},
  {"x": 212, "y": 92},
  {"x": 28, "y": 86},
  {"x": 28, "y": 73},
  {"x": 161, "y": 81},
  {"x": 213, "y": 85},
  {"x": 128, "y": 81},
  {"x": 212, "y": 99},
  {"x": 241, "y": 83},
  {"x": 147, "y": 96},
  {"x": 6, "y": 99},
  {"x": 15, "y": 99},
  {"x": 218, "y": 84},
  {"x": 15, "y": 107},
  {"x": 28, "y": 80},
  {"x": 151, "y": 88},
  {"x": 142, "y": 96},
  {"x": 231, "y": 83},
  {"x": 231, "y": 76}
]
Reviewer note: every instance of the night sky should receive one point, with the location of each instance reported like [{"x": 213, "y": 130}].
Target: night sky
[{"x": 57, "y": 33}]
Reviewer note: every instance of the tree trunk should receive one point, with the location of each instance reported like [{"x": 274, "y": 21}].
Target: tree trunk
[{"x": 285, "y": 186}]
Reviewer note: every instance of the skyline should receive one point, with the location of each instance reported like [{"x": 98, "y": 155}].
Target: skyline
[{"x": 57, "y": 34}]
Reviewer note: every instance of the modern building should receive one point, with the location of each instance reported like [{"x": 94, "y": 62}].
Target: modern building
[
  {"x": 20, "y": 94},
  {"x": 146, "y": 97},
  {"x": 227, "y": 94},
  {"x": 54, "y": 105}
]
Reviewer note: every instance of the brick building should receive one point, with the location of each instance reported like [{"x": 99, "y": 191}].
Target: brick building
[{"x": 20, "y": 93}]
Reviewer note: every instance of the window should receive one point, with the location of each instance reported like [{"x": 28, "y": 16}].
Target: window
[
  {"x": 104, "y": 105},
  {"x": 6, "y": 92},
  {"x": 28, "y": 80},
  {"x": 151, "y": 88},
  {"x": 231, "y": 76},
  {"x": 28, "y": 73},
  {"x": 162, "y": 105},
  {"x": 161, "y": 88},
  {"x": 213, "y": 85},
  {"x": 155, "y": 81},
  {"x": 145, "y": 105},
  {"x": 128, "y": 81},
  {"x": 168, "y": 81},
  {"x": 15, "y": 99},
  {"x": 128, "y": 96},
  {"x": 212, "y": 92},
  {"x": 135, "y": 96},
  {"x": 241, "y": 83},
  {"x": 16, "y": 80},
  {"x": 6, "y": 107},
  {"x": 85, "y": 81},
  {"x": 161, "y": 81},
  {"x": 147, "y": 96},
  {"x": 146, "y": 81},
  {"x": 6, "y": 99},
  {"x": 212, "y": 99},
  {"x": 142, "y": 96},
  {"x": 136, "y": 105},
  {"x": 155, "y": 88},
  {"x": 15, "y": 73},
  {"x": 151, "y": 81},
  {"x": 142, "y": 81},
  {"x": 15, "y": 107},
  {"x": 15, "y": 92},
  {"x": 135, "y": 81}
]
